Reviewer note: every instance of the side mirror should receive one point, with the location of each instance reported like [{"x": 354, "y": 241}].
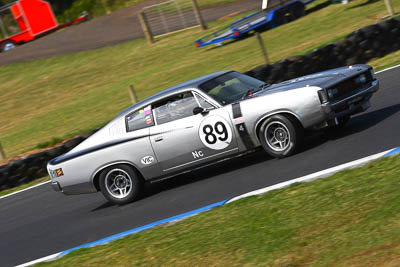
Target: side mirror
[{"x": 198, "y": 110}]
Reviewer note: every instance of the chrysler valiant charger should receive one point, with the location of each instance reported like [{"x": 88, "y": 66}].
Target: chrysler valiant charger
[{"x": 205, "y": 120}]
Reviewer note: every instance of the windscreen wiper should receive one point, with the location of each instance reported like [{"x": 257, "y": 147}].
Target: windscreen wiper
[
  {"x": 252, "y": 91},
  {"x": 248, "y": 93},
  {"x": 264, "y": 86}
]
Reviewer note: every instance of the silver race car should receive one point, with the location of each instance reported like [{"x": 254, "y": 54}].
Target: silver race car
[{"x": 206, "y": 120}]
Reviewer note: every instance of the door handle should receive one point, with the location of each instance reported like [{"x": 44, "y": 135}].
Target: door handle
[{"x": 158, "y": 138}]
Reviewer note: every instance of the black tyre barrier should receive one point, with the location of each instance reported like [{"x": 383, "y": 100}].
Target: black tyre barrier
[
  {"x": 31, "y": 167},
  {"x": 364, "y": 44}
]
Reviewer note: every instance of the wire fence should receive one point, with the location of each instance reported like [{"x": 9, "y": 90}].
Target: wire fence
[{"x": 170, "y": 16}]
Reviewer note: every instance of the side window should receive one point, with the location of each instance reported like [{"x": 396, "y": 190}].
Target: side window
[
  {"x": 140, "y": 119},
  {"x": 203, "y": 103},
  {"x": 174, "y": 108}
]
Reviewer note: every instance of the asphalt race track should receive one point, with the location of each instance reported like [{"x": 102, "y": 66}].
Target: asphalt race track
[{"x": 40, "y": 222}]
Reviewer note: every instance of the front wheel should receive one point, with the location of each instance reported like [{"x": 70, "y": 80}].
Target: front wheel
[
  {"x": 280, "y": 136},
  {"x": 120, "y": 184},
  {"x": 7, "y": 45}
]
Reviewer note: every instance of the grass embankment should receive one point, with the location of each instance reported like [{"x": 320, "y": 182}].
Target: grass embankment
[
  {"x": 55, "y": 97},
  {"x": 349, "y": 219}
]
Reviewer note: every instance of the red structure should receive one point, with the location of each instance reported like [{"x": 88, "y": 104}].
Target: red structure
[{"x": 26, "y": 20}]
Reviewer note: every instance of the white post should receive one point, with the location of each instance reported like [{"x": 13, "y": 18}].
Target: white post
[
  {"x": 198, "y": 15},
  {"x": 132, "y": 94},
  {"x": 2, "y": 154},
  {"x": 389, "y": 7},
  {"x": 262, "y": 47},
  {"x": 264, "y": 4}
]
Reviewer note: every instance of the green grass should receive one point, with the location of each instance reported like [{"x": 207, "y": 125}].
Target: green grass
[
  {"x": 55, "y": 97},
  {"x": 12, "y": 190},
  {"x": 349, "y": 219},
  {"x": 386, "y": 61}
]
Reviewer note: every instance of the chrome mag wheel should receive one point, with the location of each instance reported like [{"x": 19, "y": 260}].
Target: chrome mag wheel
[
  {"x": 277, "y": 136},
  {"x": 118, "y": 183}
]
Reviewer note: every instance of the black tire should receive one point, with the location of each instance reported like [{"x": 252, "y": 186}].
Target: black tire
[
  {"x": 7, "y": 45},
  {"x": 287, "y": 133},
  {"x": 120, "y": 184},
  {"x": 297, "y": 11},
  {"x": 280, "y": 17},
  {"x": 263, "y": 28},
  {"x": 244, "y": 36}
]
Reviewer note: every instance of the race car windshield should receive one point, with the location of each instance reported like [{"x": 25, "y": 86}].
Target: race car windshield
[{"x": 231, "y": 87}]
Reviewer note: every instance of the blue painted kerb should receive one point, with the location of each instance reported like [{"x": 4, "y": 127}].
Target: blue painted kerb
[
  {"x": 393, "y": 152},
  {"x": 144, "y": 227}
]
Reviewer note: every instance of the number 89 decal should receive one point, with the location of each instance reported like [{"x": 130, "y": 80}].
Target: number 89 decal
[{"x": 215, "y": 133}]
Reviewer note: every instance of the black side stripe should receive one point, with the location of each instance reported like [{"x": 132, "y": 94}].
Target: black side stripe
[
  {"x": 241, "y": 127},
  {"x": 68, "y": 156},
  {"x": 237, "y": 112},
  {"x": 244, "y": 135}
]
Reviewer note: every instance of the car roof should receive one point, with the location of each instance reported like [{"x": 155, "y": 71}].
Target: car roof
[{"x": 172, "y": 90}]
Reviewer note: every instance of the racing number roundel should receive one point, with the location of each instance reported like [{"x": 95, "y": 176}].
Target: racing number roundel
[{"x": 215, "y": 132}]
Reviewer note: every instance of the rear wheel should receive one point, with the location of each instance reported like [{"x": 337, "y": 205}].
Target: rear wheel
[
  {"x": 280, "y": 17},
  {"x": 297, "y": 11},
  {"x": 280, "y": 136},
  {"x": 120, "y": 184},
  {"x": 7, "y": 45}
]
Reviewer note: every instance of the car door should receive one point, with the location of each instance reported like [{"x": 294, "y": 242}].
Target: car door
[{"x": 182, "y": 140}]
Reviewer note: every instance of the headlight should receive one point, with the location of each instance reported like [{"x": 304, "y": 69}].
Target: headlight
[
  {"x": 332, "y": 92},
  {"x": 361, "y": 79}
]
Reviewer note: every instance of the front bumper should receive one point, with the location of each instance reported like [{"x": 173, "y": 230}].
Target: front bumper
[{"x": 353, "y": 104}]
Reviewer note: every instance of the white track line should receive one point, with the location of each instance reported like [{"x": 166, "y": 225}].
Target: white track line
[
  {"x": 44, "y": 259},
  {"x": 388, "y": 69},
  {"x": 313, "y": 176},
  {"x": 26, "y": 189}
]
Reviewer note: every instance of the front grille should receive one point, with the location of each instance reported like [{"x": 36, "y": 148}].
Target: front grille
[{"x": 350, "y": 86}]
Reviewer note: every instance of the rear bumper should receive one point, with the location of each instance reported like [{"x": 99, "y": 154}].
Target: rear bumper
[
  {"x": 76, "y": 189},
  {"x": 56, "y": 186},
  {"x": 353, "y": 104}
]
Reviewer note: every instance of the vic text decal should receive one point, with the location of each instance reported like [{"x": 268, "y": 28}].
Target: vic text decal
[{"x": 147, "y": 160}]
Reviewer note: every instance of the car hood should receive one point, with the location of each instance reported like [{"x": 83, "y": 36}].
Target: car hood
[{"x": 321, "y": 79}]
